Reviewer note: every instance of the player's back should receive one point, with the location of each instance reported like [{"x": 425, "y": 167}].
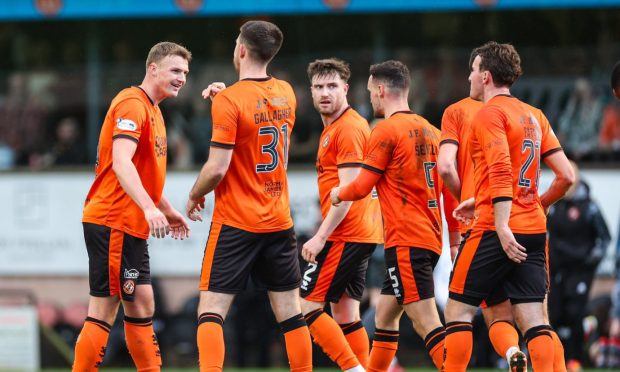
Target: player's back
[
  {"x": 509, "y": 139},
  {"x": 456, "y": 128},
  {"x": 255, "y": 118},
  {"x": 107, "y": 203},
  {"x": 410, "y": 188}
]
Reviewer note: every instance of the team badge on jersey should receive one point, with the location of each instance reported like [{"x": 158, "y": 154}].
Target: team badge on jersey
[
  {"x": 326, "y": 141},
  {"x": 126, "y": 124}
]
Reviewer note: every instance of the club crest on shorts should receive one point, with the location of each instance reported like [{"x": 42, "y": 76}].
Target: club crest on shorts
[{"x": 129, "y": 287}]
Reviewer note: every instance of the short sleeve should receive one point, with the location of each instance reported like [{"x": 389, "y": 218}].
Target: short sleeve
[
  {"x": 449, "y": 126},
  {"x": 380, "y": 148},
  {"x": 549, "y": 143},
  {"x": 129, "y": 118},
  {"x": 225, "y": 115},
  {"x": 350, "y": 146}
]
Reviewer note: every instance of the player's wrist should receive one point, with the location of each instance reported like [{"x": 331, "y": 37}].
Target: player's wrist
[{"x": 195, "y": 197}]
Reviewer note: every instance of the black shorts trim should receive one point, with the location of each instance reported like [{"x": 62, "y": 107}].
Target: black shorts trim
[
  {"x": 341, "y": 268},
  {"x": 123, "y": 255},
  {"x": 234, "y": 256}
]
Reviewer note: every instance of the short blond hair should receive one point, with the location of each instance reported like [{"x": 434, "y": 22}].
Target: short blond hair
[{"x": 164, "y": 49}]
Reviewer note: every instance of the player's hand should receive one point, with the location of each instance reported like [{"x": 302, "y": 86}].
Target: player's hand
[
  {"x": 464, "y": 213},
  {"x": 334, "y": 196},
  {"x": 514, "y": 250},
  {"x": 312, "y": 248},
  {"x": 178, "y": 225},
  {"x": 194, "y": 207},
  {"x": 158, "y": 224},
  {"x": 213, "y": 89}
]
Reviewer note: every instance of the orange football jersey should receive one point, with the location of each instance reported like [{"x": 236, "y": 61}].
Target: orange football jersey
[
  {"x": 403, "y": 149},
  {"x": 132, "y": 115},
  {"x": 456, "y": 129},
  {"x": 255, "y": 118},
  {"x": 509, "y": 138},
  {"x": 342, "y": 145}
]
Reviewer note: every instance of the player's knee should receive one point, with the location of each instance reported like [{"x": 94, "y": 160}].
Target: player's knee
[
  {"x": 309, "y": 306},
  {"x": 104, "y": 308}
]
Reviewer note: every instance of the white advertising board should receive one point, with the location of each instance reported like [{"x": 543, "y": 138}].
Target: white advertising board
[
  {"x": 41, "y": 232},
  {"x": 19, "y": 338}
]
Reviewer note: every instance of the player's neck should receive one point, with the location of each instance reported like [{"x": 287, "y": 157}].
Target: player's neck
[
  {"x": 151, "y": 91},
  {"x": 328, "y": 119},
  {"x": 494, "y": 91},
  {"x": 392, "y": 106},
  {"x": 252, "y": 71}
]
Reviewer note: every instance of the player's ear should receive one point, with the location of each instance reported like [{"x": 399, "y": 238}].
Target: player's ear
[
  {"x": 346, "y": 88},
  {"x": 242, "y": 50},
  {"x": 152, "y": 69}
]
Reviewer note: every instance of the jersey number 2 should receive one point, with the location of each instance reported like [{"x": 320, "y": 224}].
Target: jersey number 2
[{"x": 533, "y": 147}]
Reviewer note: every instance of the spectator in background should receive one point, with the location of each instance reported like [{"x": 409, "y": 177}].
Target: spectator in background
[
  {"x": 614, "y": 331},
  {"x": 578, "y": 239},
  {"x": 579, "y": 122},
  {"x": 69, "y": 147},
  {"x": 22, "y": 119},
  {"x": 609, "y": 137}
]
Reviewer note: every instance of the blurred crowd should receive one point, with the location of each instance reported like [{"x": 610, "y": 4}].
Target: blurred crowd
[{"x": 50, "y": 116}]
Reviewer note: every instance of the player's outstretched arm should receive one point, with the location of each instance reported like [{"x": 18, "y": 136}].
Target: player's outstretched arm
[
  {"x": 334, "y": 217},
  {"x": 360, "y": 187},
  {"x": 123, "y": 150},
  {"x": 210, "y": 175},
  {"x": 564, "y": 178}
]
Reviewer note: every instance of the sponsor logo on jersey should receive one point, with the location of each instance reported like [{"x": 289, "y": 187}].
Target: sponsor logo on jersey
[
  {"x": 131, "y": 274},
  {"x": 126, "y": 124}
]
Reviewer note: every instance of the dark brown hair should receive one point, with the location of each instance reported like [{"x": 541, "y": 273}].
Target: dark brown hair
[
  {"x": 329, "y": 66},
  {"x": 263, "y": 39},
  {"x": 501, "y": 60},
  {"x": 393, "y": 74},
  {"x": 164, "y": 49}
]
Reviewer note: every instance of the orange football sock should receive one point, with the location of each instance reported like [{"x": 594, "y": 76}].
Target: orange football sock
[
  {"x": 298, "y": 343},
  {"x": 559, "y": 364},
  {"x": 458, "y": 344},
  {"x": 356, "y": 336},
  {"x": 503, "y": 336},
  {"x": 540, "y": 345},
  {"x": 328, "y": 335},
  {"x": 210, "y": 340},
  {"x": 90, "y": 346},
  {"x": 384, "y": 348},
  {"x": 434, "y": 342},
  {"x": 142, "y": 344}
]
